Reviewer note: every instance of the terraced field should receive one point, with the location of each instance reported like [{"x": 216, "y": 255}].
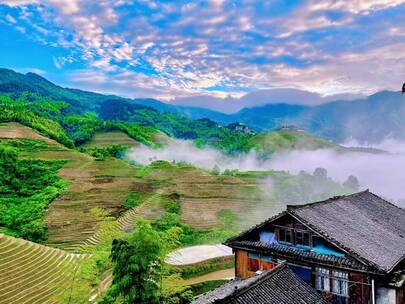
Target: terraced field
[
  {"x": 106, "y": 184},
  {"x": 94, "y": 184},
  {"x": 203, "y": 196},
  {"x": 33, "y": 273},
  {"x": 106, "y": 139}
]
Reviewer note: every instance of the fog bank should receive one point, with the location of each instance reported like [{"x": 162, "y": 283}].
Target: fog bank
[
  {"x": 383, "y": 173},
  {"x": 185, "y": 151}
]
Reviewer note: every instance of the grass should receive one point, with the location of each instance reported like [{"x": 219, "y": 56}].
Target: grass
[
  {"x": 207, "y": 286},
  {"x": 199, "y": 269},
  {"x": 274, "y": 141}
]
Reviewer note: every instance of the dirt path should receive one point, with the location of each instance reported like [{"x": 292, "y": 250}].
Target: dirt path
[
  {"x": 226, "y": 274},
  {"x": 196, "y": 254}
]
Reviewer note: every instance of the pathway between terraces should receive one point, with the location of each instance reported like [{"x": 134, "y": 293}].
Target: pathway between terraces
[
  {"x": 226, "y": 274},
  {"x": 197, "y": 254}
]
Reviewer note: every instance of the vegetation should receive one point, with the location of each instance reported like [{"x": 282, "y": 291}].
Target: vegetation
[
  {"x": 31, "y": 272},
  {"x": 286, "y": 139},
  {"x": 204, "y": 287},
  {"x": 87, "y": 279},
  {"x": 170, "y": 191},
  {"x": 116, "y": 151},
  {"x": 63, "y": 122},
  {"x": 191, "y": 271},
  {"x": 27, "y": 187},
  {"x": 138, "y": 266},
  {"x": 20, "y": 111}
]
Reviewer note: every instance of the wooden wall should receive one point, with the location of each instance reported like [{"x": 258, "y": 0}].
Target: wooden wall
[
  {"x": 400, "y": 295},
  {"x": 242, "y": 265}
]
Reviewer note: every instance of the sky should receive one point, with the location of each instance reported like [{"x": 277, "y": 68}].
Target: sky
[{"x": 219, "y": 48}]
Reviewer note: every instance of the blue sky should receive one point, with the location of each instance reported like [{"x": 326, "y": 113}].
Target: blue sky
[{"x": 168, "y": 49}]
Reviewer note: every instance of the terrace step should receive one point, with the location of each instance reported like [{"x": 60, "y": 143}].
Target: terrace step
[{"x": 33, "y": 273}]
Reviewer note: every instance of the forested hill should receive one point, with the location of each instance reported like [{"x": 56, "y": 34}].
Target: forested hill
[
  {"x": 60, "y": 121},
  {"x": 368, "y": 120},
  {"x": 81, "y": 101}
]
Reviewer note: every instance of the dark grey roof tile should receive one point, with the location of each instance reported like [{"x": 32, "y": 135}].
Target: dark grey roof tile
[{"x": 277, "y": 286}]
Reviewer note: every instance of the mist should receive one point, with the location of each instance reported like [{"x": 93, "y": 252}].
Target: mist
[
  {"x": 186, "y": 151},
  {"x": 382, "y": 173}
]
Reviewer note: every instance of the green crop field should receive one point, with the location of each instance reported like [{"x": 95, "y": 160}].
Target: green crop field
[
  {"x": 107, "y": 139},
  {"x": 33, "y": 273}
]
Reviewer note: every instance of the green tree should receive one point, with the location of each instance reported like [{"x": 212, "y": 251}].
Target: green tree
[
  {"x": 352, "y": 183},
  {"x": 138, "y": 264}
]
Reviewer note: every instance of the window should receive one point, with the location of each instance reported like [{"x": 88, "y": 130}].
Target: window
[
  {"x": 284, "y": 235},
  {"x": 302, "y": 238},
  {"x": 340, "y": 283},
  {"x": 322, "y": 279},
  {"x": 253, "y": 262},
  {"x": 339, "y": 279}
]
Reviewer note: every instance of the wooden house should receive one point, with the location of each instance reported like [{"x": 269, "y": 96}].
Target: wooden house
[
  {"x": 264, "y": 288},
  {"x": 349, "y": 248}
]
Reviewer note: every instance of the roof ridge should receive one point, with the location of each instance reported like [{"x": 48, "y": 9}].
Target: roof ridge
[
  {"x": 388, "y": 202},
  {"x": 326, "y": 201}
]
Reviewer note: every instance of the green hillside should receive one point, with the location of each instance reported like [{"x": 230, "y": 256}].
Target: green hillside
[
  {"x": 66, "y": 184},
  {"x": 287, "y": 139}
]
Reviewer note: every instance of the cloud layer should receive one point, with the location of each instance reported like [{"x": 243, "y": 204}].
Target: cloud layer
[{"x": 166, "y": 49}]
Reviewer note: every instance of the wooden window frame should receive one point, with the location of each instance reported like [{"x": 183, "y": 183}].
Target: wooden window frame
[
  {"x": 303, "y": 233},
  {"x": 287, "y": 231}
]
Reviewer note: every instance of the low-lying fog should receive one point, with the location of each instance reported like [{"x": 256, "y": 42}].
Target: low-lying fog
[{"x": 382, "y": 173}]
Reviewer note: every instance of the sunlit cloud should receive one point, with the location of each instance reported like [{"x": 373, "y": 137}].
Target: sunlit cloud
[{"x": 217, "y": 47}]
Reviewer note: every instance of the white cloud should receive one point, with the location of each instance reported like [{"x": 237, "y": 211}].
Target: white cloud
[
  {"x": 14, "y": 3},
  {"x": 220, "y": 44},
  {"x": 11, "y": 19}
]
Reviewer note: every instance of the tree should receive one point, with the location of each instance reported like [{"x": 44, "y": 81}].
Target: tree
[
  {"x": 8, "y": 167},
  {"x": 321, "y": 173},
  {"x": 216, "y": 170},
  {"x": 352, "y": 183},
  {"x": 138, "y": 264}
]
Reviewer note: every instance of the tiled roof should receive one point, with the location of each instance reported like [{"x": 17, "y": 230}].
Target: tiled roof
[
  {"x": 299, "y": 254},
  {"x": 362, "y": 223},
  {"x": 277, "y": 286},
  {"x": 366, "y": 226}
]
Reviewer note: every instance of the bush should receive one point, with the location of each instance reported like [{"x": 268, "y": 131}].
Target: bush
[{"x": 27, "y": 187}]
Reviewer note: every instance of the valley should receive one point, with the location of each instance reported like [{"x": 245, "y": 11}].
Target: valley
[
  {"x": 77, "y": 183},
  {"x": 211, "y": 205}
]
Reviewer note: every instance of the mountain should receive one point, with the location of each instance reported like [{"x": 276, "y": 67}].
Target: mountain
[
  {"x": 369, "y": 119},
  {"x": 83, "y": 101},
  {"x": 260, "y": 98}
]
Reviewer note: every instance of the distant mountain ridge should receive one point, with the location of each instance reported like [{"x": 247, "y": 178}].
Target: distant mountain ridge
[
  {"x": 85, "y": 101},
  {"x": 369, "y": 119},
  {"x": 230, "y": 105}
]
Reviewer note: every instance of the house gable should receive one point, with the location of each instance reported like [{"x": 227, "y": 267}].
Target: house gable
[{"x": 331, "y": 228}]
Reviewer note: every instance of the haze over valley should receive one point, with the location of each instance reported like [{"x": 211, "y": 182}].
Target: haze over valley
[{"x": 176, "y": 152}]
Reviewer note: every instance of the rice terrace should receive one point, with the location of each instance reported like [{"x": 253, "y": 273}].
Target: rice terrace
[{"x": 199, "y": 152}]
